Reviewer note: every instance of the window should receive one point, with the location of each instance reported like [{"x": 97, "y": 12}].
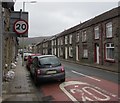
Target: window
[
  {"x": 61, "y": 51},
  {"x": 58, "y": 41},
  {"x": 84, "y": 36},
  {"x": 85, "y": 53},
  {"x": 109, "y": 30},
  {"x": 66, "y": 39},
  {"x": 70, "y": 51},
  {"x": 109, "y": 51},
  {"x": 70, "y": 39},
  {"x": 77, "y": 37},
  {"x": 61, "y": 41},
  {"x": 97, "y": 34},
  {"x": 52, "y": 42}
]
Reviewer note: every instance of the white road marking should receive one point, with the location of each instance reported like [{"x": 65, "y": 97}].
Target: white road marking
[
  {"x": 84, "y": 90},
  {"x": 85, "y": 75}
]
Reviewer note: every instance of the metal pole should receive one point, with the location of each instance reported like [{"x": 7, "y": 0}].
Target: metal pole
[
  {"x": 23, "y": 39},
  {"x": 1, "y": 63}
]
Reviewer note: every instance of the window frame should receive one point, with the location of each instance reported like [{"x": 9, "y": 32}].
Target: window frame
[
  {"x": 71, "y": 51},
  {"x": 77, "y": 37},
  {"x": 84, "y": 36},
  {"x": 96, "y": 32},
  {"x": 70, "y": 39},
  {"x": 106, "y": 52},
  {"x": 108, "y": 28}
]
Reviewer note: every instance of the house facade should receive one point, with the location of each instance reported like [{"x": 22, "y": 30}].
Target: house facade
[
  {"x": 93, "y": 42},
  {"x": 10, "y": 42}
]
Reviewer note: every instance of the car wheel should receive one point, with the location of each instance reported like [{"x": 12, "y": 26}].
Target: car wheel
[{"x": 62, "y": 80}]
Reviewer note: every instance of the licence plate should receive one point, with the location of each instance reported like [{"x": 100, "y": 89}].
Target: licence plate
[{"x": 51, "y": 72}]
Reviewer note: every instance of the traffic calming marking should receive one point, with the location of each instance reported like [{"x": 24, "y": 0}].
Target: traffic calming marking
[{"x": 86, "y": 88}]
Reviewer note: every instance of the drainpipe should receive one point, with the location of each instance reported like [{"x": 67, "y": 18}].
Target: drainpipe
[{"x": 1, "y": 63}]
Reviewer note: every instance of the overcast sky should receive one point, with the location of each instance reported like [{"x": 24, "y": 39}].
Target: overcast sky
[{"x": 49, "y": 18}]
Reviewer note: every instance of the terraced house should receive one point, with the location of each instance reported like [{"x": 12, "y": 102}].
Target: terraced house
[{"x": 93, "y": 42}]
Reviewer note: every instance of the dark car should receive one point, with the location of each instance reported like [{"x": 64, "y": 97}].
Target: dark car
[
  {"x": 47, "y": 67},
  {"x": 29, "y": 60}
]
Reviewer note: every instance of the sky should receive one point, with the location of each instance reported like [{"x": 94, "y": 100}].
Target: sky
[{"x": 50, "y": 17}]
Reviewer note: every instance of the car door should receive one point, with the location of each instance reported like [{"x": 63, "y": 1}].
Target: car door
[{"x": 34, "y": 65}]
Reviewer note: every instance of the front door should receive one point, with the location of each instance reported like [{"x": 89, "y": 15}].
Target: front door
[
  {"x": 66, "y": 53},
  {"x": 97, "y": 54}
]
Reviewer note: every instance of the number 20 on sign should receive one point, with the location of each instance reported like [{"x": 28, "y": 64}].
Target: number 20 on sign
[{"x": 20, "y": 26}]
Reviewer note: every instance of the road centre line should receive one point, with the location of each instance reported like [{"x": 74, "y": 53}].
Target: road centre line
[{"x": 85, "y": 75}]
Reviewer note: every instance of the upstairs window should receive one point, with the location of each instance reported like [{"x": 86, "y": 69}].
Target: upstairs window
[
  {"x": 77, "y": 37},
  {"x": 109, "y": 30},
  {"x": 96, "y": 31},
  {"x": 70, "y": 39},
  {"x": 66, "y": 39},
  {"x": 84, "y": 36}
]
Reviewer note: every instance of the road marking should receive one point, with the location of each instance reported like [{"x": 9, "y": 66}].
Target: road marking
[
  {"x": 84, "y": 89},
  {"x": 85, "y": 75},
  {"x": 64, "y": 84}
]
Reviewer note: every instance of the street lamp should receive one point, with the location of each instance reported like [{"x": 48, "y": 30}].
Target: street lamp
[
  {"x": 23, "y": 37},
  {"x": 27, "y": 2}
]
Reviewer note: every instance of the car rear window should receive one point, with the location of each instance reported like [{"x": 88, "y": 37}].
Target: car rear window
[{"x": 49, "y": 61}]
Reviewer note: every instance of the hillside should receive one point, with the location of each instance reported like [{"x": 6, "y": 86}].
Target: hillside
[{"x": 32, "y": 41}]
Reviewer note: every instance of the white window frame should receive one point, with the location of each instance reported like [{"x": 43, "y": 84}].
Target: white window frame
[
  {"x": 66, "y": 39},
  {"x": 58, "y": 41},
  {"x": 97, "y": 33},
  {"x": 61, "y": 51},
  {"x": 70, "y": 39},
  {"x": 61, "y": 41},
  {"x": 85, "y": 53},
  {"x": 77, "y": 37},
  {"x": 84, "y": 36},
  {"x": 52, "y": 42},
  {"x": 109, "y": 30},
  {"x": 70, "y": 51},
  {"x": 109, "y": 46}
]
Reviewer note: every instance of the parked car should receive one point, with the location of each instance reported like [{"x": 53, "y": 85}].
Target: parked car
[
  {"x": 29, "y": 60},
  {"x": 47, "y": 67}
]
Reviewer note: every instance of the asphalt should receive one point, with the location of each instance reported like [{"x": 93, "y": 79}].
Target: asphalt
[{"x": 19, "y": 88}]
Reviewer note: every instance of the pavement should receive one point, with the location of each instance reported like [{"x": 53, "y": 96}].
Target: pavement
[{"x": 20, "y": 88}]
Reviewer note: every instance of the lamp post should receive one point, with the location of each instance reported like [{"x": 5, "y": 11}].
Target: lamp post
[{"x": 23, "y": 37}]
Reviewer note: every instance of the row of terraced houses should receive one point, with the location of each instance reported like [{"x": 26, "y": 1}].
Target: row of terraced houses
[{"x": 92, "y": 42}]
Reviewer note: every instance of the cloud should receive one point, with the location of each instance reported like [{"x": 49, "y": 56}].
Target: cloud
[{"x": 49, "y": 18}]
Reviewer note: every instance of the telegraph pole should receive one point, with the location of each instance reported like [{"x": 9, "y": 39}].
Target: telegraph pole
[{"x": 1, "y": 63}]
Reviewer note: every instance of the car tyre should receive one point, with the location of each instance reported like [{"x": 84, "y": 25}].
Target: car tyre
[{"x": 62, "y": 80}]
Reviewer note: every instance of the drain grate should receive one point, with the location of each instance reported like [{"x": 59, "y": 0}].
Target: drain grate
[{"x": 47, "y": 98}]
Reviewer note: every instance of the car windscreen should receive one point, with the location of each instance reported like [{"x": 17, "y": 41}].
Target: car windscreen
[{"x": 49, "y": 61}]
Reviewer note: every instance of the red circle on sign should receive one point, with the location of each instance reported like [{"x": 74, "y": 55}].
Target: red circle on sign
[{"x": 20, "y": 26}]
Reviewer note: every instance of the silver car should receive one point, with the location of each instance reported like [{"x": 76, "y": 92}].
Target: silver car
[{"x": 47, "y": 67}]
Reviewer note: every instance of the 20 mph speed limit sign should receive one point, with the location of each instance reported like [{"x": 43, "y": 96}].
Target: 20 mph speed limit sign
[{"x": 20, "y": 26}]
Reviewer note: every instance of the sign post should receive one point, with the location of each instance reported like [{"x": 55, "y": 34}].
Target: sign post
[
  {"x": 21, "y": 27},
  {"x": 1, "y": 63}
]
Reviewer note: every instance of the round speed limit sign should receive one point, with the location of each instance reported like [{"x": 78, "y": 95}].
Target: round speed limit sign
[{"x": 20, "y": 26}]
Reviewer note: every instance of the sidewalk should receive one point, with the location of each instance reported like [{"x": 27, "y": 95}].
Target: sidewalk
[
  {"x": 93, "y": 65},
  {"x": 19, "y": 89}
]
